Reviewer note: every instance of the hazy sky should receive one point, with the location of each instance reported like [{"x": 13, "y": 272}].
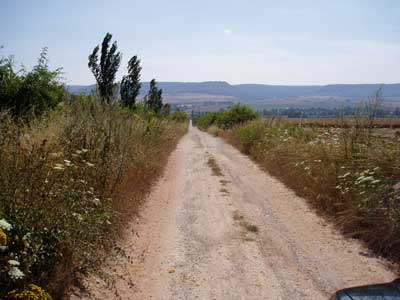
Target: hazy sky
[{"x": 253, "y": 41}]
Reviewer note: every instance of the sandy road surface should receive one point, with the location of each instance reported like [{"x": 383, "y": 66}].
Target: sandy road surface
[{"x": 242, "y": 235}]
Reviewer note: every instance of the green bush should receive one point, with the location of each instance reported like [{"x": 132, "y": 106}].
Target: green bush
[
  {"x": 24, "y": 93},
  {"x": 237, "y": 114},
  {"x": 179, "y": 116}
]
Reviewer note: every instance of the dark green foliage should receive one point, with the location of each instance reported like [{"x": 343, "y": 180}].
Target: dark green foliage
[
  {"x": 31, "y": 92},
  {"x": 154, "y": 98},
  {"x": 179, "y": 116},
  {"x": 237, "y": 114},
  {"x": 130, "y": 84},
  {"x": 105, "y": 70}
]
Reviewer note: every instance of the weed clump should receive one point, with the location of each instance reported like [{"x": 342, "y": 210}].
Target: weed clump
[{"x": 216, "y": 170}]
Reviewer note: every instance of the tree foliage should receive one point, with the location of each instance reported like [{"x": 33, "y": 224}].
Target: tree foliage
[
  {"x": 24, "y": 92},
  {"x": 105, "y": 70},
  {"x": 237, "y": 114},
  {"x": 130, "y": 84},
  {"x": 154, "y": 98}
]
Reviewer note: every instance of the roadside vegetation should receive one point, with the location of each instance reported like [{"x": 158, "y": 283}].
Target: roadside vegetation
[
  {"x": 73, "y": 169},
  {"x": 215, "y": 121},
  {"x": 348, "y": 172}
]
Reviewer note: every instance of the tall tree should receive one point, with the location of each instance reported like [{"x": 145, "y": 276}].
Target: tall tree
[
  {"x": 154, "y": 97},
  {"x": 105, "y": 70},
  {"x": 130, "y": 84}
]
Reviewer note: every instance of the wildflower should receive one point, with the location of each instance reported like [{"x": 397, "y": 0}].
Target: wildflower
[
  {"x": 89, "y": 164},
  {"x": 68, "y": 163},
  {"x": 13, "y": 263},
  {"x": 96, "y": 201},
  {"x": 33, "y": 292},
  {"x": 5, "y": 225},
  {"x": 3, "y": 238},
  {"x": 85, "y": 150},
  {"x": 344, "y": 175},
  {"x": 16, "y": 273},
  {"x": 77, "y": 216},
  {"x": 26, "y": 236},
  {"x": 58, "y": 167}
]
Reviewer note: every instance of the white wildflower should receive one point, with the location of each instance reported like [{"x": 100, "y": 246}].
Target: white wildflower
[
  {"x": 68, "y": 163},
  {"x": 96, "y": 201},
  {"x": 16, "y": 273},
  {"x": 58, "y": 167},
  {"x": 77, "y": 216},
  {"x": 13, "y": 263},
  {"x": 344, "y": 175},
  {"x": 5, "y": 225}
]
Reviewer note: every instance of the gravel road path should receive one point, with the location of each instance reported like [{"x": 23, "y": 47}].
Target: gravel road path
[{"x": 239, "y": 235}]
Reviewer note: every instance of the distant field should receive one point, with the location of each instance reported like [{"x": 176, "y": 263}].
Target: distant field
[{"x": 347, "y": 122}]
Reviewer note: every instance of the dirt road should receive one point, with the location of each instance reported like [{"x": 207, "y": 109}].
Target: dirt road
[{"x": 240, "y": 235}]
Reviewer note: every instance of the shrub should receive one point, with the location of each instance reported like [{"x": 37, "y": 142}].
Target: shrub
[
  {"x": 33, "y": 92},
  {"x": 237, "y": 114},
  {"x": 179, "y": 116}
]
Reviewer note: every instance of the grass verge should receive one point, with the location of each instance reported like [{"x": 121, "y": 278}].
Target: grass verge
[
  {"x": 349, "y": 174},
  {"x": 69, "y": 182}
]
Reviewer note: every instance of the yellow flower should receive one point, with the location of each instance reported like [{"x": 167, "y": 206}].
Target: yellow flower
[
  {"x": 33, "y": 292},
  {"x": 3, "y": 238}
]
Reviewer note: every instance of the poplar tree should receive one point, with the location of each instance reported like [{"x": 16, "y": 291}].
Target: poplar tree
[
  {"x": 105, "y": 70},
  {"x": 130, "y": 84},
  {"x": 154, "y": 98}
]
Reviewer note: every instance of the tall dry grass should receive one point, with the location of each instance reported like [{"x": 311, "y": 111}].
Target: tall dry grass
[
  {"x": 348, "y": 173},
  {"x": 69, "y": 181}
]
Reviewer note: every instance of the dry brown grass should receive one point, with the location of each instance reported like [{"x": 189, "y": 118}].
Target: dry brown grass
[
  {"x": 69, "y": 182},
  {"x": 392, "y": 123},
  {"x": 349, "y": 174}
]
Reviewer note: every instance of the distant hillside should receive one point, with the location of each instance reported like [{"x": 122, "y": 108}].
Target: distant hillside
[{"x": 249, "y": 92}]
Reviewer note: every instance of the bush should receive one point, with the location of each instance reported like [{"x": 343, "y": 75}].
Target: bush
[
  {"x": 33, "y": 92},
  {"x": 68, "y": 182},
  {"x": 179, "y": 116},
  {"x": 237, "y": 114}
]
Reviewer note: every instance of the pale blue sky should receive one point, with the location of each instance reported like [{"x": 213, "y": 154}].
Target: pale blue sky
[{"x": 253, "y": 41}]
